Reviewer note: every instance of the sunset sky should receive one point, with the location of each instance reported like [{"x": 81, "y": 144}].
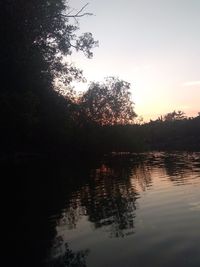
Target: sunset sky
[{"x": 153, "y": 44}]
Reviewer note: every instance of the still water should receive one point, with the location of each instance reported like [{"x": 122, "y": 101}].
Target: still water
[
  {"x": 123, "y": 211},
  {"x": 132, "y": 211}
]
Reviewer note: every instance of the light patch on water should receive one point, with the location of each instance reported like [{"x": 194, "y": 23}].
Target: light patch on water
[{"x": 195, "y": 206}]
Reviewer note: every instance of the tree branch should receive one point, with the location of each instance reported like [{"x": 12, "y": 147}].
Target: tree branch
[
  {"x": 78, "y": 14},
  {"x": 82, "y": 9}
]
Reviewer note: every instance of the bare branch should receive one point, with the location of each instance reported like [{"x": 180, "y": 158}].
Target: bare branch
[
  {"x": 82, "y": 9},
  {"x": 78, "y": 14},
  {"x": 70, "y": 12}
]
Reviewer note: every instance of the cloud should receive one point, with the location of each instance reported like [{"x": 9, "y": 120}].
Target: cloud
[{"x": 192, "y": 83}]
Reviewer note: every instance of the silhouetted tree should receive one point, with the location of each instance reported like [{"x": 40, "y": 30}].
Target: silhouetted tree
[
  {"x": 108, "y": 103},
  {"x": 37, "y": 36},
  {"x": 179, "y": 115}
]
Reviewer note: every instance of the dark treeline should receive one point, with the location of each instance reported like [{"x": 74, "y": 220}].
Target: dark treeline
[
  {"x": 173, "y": 134},
  {"x": 40, "y": 111},
  {"x": 161, "y": 134}
]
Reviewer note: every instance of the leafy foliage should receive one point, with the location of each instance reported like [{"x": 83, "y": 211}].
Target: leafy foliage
[
  {"x": 38, "y": 36},
  {"x": 108, "y": 103},
  {"x": 172, "y": 116}
]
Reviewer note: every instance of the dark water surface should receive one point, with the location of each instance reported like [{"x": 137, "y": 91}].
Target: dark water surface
[{"x": 123, "y": 211}]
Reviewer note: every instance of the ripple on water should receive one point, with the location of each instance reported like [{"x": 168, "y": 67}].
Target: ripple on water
[{"x": 137, "y": 213}]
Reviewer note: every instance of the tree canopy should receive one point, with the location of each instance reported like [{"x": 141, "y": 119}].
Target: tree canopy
[
  {"x": 175, "y": 115},
  {"x": 37, "y": 38},
  {"x": 109, "y": 102},
  {"x": 37, "y": 35}
]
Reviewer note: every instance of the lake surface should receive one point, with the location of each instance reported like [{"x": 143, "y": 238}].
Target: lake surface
[{"x": 140, "y": 210}]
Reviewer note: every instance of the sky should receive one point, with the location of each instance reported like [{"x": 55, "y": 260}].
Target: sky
[{"x": 153, "y": 44}]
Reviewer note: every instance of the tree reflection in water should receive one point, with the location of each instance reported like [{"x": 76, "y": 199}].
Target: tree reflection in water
[
  {"x": 109, "y": 199},
  {"x": 63, "y": 256},
  {"x": 179, "y": 167}
]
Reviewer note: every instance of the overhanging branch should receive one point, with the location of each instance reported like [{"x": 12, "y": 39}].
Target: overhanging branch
[{"x": 78, "y": 14}]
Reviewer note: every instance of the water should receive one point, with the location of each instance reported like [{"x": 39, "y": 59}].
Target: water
[{"x": 136, "y": 211}]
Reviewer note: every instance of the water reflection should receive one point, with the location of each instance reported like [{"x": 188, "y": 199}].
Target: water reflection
[
  {"x": 180, "y": 167},
  {"x": 150, "y": 200},
  {"x": 108, "y": 200},
  {"x": 63, "y": 256},
  {"x": 109, "y": 197},
  {"x": 36, "y": 194}
]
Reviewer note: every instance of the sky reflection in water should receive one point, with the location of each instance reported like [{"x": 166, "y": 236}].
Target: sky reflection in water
[{"x": 140, "y": 211}]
